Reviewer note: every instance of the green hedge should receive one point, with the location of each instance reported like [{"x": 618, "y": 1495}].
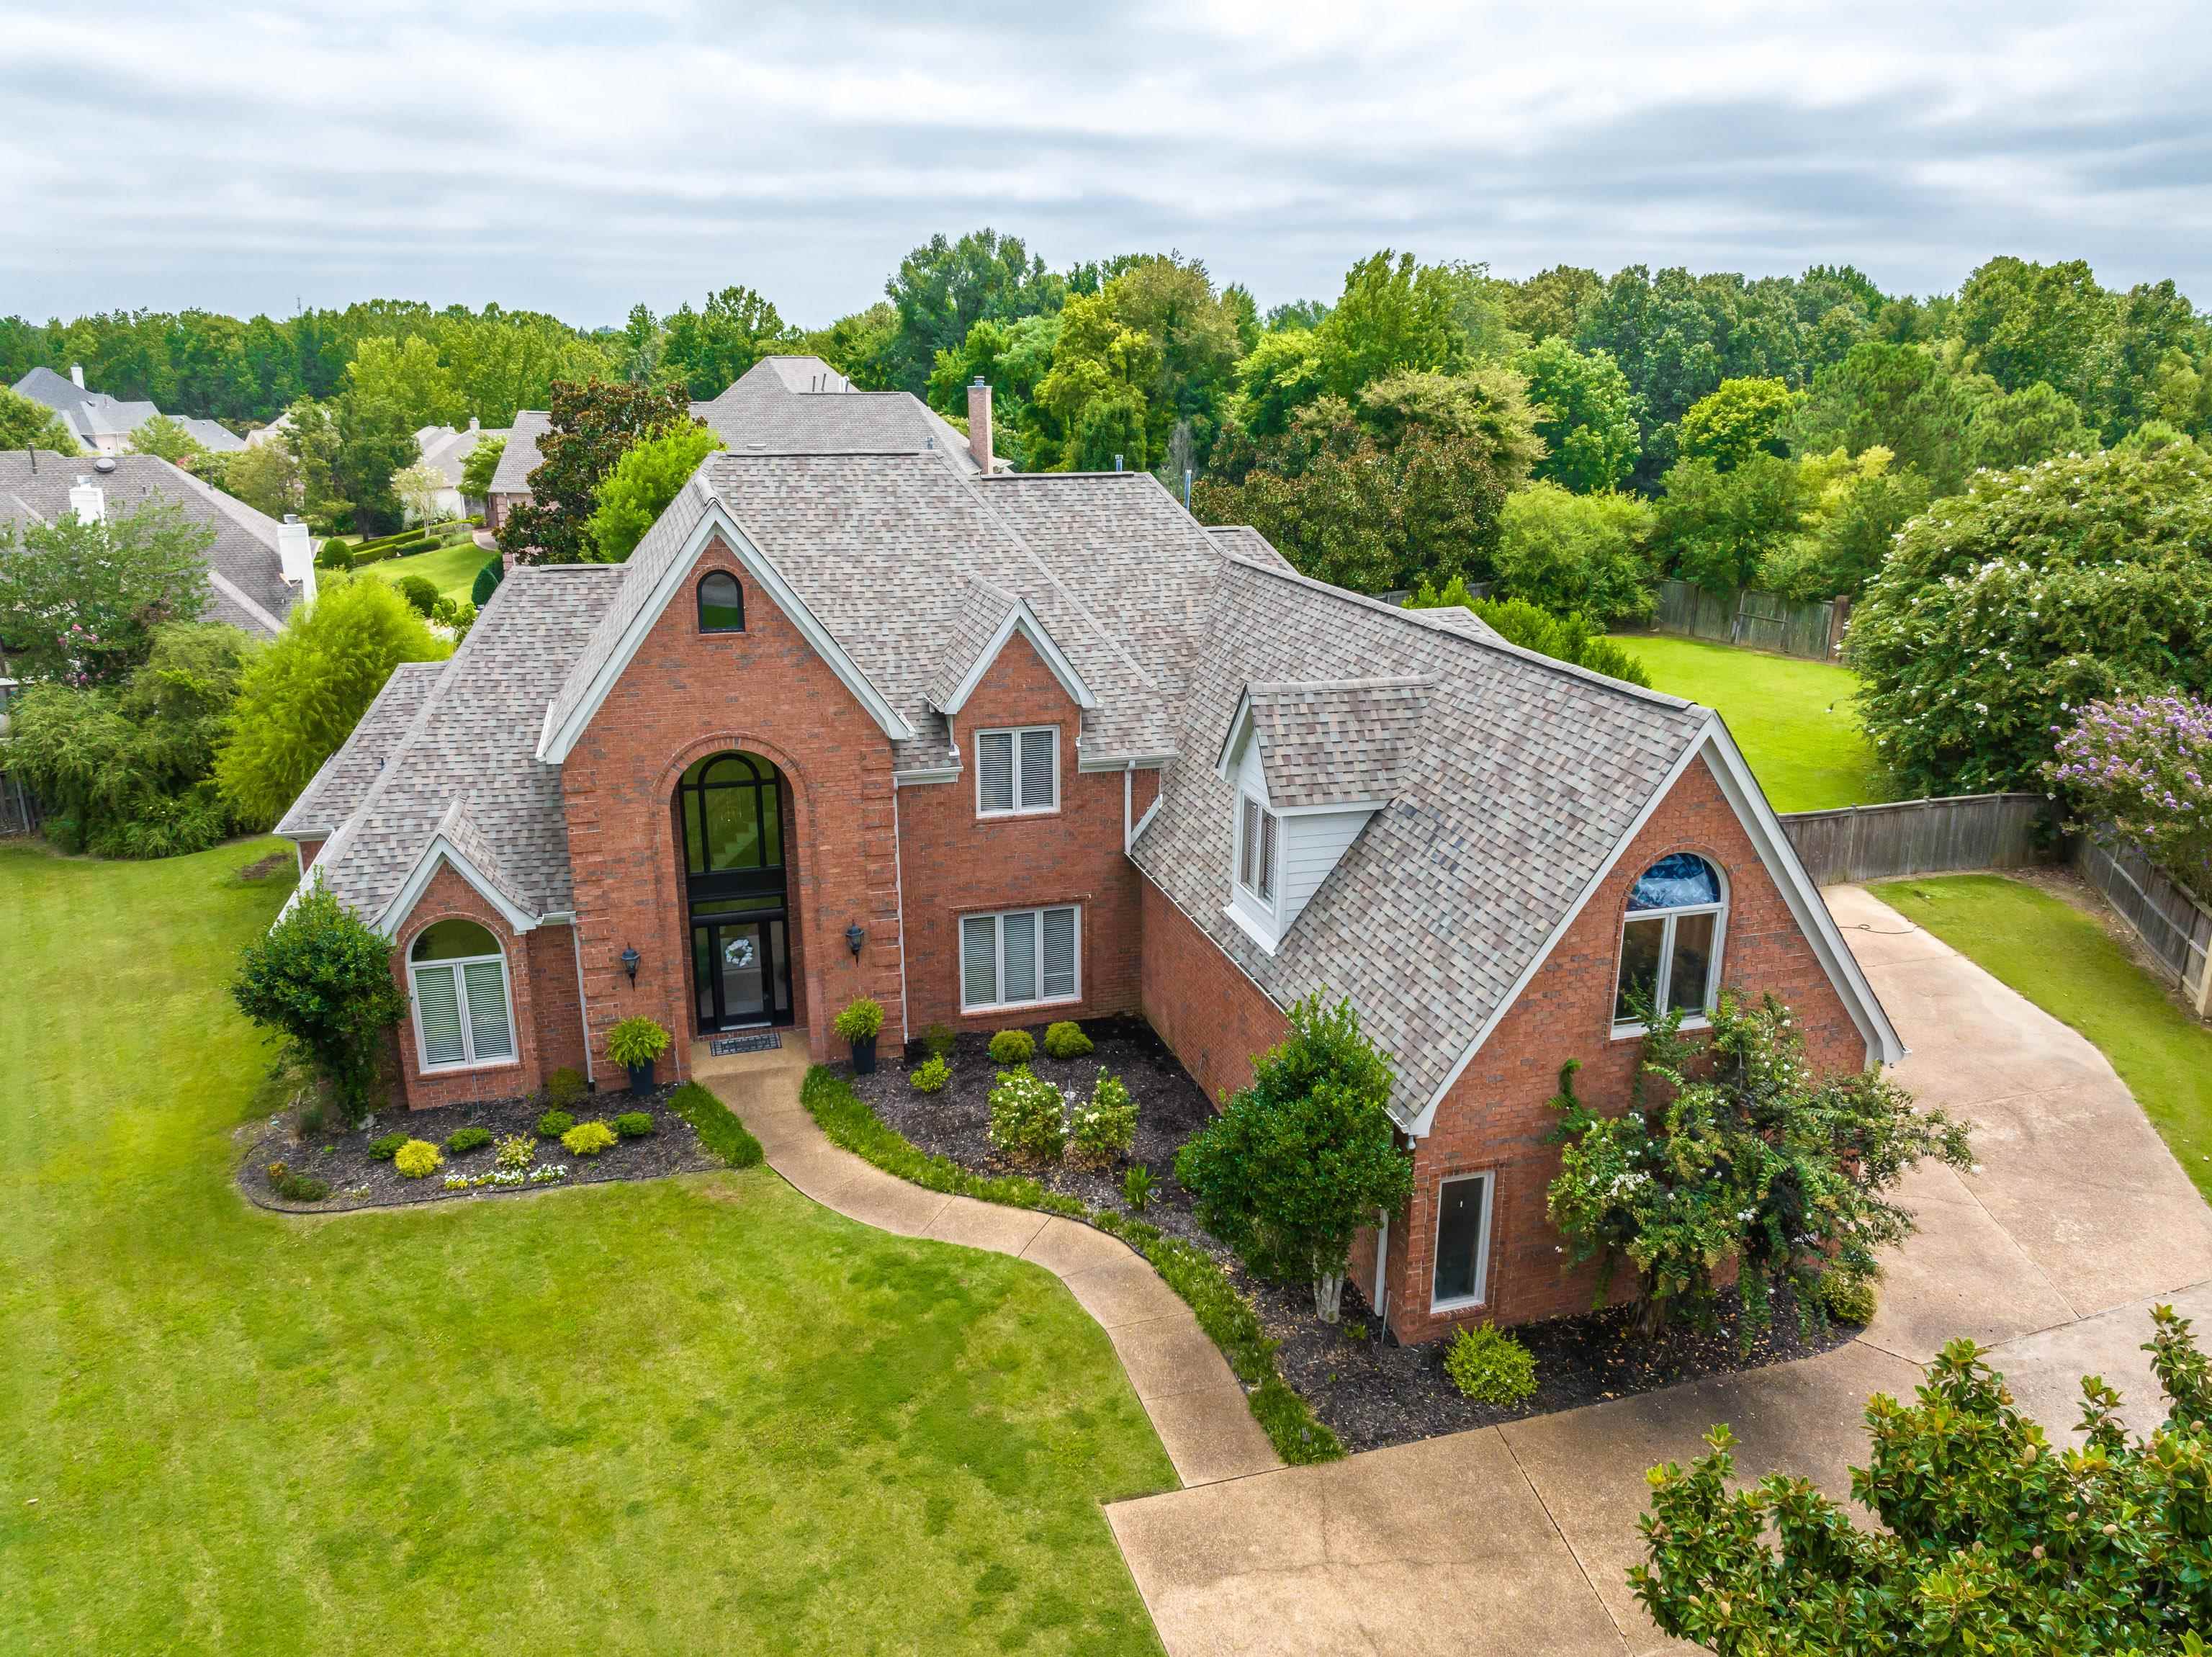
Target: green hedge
[
  {"x": 1299, "y": 1437},
  {"x": 719, "y": 1131}
]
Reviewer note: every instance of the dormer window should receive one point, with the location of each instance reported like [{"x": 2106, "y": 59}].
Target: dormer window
[
  {"x": 721, "y": 603},
  {"x": 1256, "y": 838},
  {"x": 1017, "y": 771}
]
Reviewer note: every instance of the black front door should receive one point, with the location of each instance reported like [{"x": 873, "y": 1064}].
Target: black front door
[{"x": 732, "y": 809}]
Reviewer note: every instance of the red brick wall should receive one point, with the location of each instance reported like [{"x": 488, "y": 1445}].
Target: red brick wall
[
  {"x": 1497, "y": 1113},
  {"x": 1213, "y": 1018},
  {"x": 449, "y": 896},
  {"x": 957, "y": 863},
  {"x": 686, "y": 695}
]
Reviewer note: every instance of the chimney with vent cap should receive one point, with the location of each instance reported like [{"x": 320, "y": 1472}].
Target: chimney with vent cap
[
  {"x": 87, "y": 500},
  {"x": 979, "y": 423},
  {"x": 295, "y": 556}
]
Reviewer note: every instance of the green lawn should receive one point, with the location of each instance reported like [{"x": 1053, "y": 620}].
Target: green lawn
[
  {"x": 1793, "y": 719},
  {"x": 452, "y": 570},
  {"x": 698, "y": 1414},
  {"x": 2061, "y": 960}
]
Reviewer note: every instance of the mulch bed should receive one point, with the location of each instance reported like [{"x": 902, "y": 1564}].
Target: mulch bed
[
  {"x": 358, "y": 1180},
  {"x": 1371, "y": 1392}
]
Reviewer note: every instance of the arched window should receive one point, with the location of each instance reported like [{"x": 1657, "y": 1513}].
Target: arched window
[
  {"x": 721, "y": 603},
  {"x": 732, "y": 815},
  {"x": 458, "y": 976},
  {"x": 1670, "y": 942}
]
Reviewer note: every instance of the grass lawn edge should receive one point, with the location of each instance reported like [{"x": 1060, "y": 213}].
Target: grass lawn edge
[{"x": 1299, "y": 1436}]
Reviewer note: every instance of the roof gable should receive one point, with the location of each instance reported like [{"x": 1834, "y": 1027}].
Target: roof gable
[
  {"x": 1331, "y": 743},
  {"x": 988, "y": 620}
]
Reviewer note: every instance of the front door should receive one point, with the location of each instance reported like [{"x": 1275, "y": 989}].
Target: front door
[{"x": 731, "y": 806}]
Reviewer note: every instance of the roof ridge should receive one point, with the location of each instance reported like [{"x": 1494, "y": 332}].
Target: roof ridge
[
  {"x": 1504, "y": 647},
  {"x": 1388, "y": 681}
]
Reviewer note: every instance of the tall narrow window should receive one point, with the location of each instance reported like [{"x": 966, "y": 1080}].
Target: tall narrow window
[
  {"x": 1462, "y": 1276},
  {"x": 1670, "y": 942},
  {"x": 1017, "y": 771},
  {"x": 721, "y": 603},
  {"x": 1256, "y": 859},
  {"x": 457, "y": 975},
  {"x": 1020, "y": 958}
]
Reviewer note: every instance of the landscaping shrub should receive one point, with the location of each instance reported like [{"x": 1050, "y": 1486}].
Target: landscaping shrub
[
  {"x": 2144, "y": 766},
  {"x": 1012, "y": 1047},
  {"x": 462, "y": 1141},
  {"x": 565, "y": 1089},
  {"x": 938, "y": 1040},
  {"x": 386, "y": 1146},
  {"x": 1066, "y": 1040},
  {"x": 1027, "y": 1120},
  {"x": 416, "y": 1158},
  {"x": 1491, "y": 1366},
  {"x": 488, "y": 579},
  {"x": 636, "y": 1041},
  {"x": 517, "y": 1151},
  {"x": 1106, "y": 1127},
  {"x": 1849, "y": 1298},
  {"x": 1137, "y": 1188},
  {"x": 860, "y": 1020},
  {"x": 1563, "y": 637},
  {"x": 719, "y": 1131},
  {"x": 1303, "y": 1158},
  {"x": 642, "y": 483},
  {"x": 587, "y": 1138},
  {"x": 553, "y": 1124},
  {"x": 421, "y": 592},
  {"x": 296, "y": 1187},
  {"x": 334, "y": 554},
  {"x": 930, "y": 1076},
  {"x": 635, "y": 1124}
]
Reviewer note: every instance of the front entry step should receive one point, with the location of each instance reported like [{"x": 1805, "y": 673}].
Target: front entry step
[{"x": 789, "y": 1054}]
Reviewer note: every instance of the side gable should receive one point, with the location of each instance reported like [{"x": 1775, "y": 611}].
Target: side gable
[{"x": 656, "y": 576}]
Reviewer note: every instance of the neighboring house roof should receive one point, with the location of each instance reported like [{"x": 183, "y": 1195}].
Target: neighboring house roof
[
  {"x": 93, "y": 414},
  {"x": 346, "y": 776},
  {"x": 519, "y": 458},
  {"x": 269, "y": 433},
  {"x": 244, "y": 571},
  {"x": 212, "y": 435},
  {"x": 801, "y": 405},
  {"x": 445, "y": 449}
]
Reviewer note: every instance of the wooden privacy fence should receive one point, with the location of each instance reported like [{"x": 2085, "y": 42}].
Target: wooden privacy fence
[
  {"x": 1764, "y": 621},
  {"x": 2175, "y": 928},
  {"x": 1921, "y": 837}
]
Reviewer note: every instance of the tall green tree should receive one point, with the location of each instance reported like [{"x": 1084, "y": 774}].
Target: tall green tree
[
  {"x": 26, "y": 424},
  {"x": 408, "y": 377},
  {"x": 1737, "y": 419},
  {"x": 592, "y": 425},
  {"x": 1585, "y": 413},
  {"x": 708, "y": 349},
  {"x": 321, "y": 978},
  {"x": 1718, "y": 529},
  {"x": 943, "y": 288},
  {"x": 642, "y": 483}
]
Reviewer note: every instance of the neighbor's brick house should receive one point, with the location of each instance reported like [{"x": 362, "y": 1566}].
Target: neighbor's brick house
[{"x": 866, "y": 715}]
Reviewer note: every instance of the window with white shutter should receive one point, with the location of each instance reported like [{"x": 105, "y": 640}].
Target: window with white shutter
[
  {"x": 490, "y": 1036},
  {"x": 1256, "y": 857},
  {"x": 1017, "y": 771},
  {"x": 458, "y": 977},
  {"x": 438, "y": 1005},
  {"x": 1023, "y": 958}
]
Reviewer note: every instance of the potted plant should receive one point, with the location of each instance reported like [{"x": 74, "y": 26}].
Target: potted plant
[
  {"x": 859, "y": 1024},
  {"x": 633, "y": 1044}
]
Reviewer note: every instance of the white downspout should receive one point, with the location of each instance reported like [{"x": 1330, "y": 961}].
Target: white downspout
[
  {"x": 1128, "y": 805},
  {"x": 898, "y": 893},
  {"x": 583, "y": 1011},
  {"x": 1382, "y": 1269}
]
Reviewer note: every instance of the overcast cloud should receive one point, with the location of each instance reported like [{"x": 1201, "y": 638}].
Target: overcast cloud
[{"x": 241, "y": 158}]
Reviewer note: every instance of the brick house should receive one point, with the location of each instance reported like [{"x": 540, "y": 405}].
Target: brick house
[{"x": 860, "y": 716}]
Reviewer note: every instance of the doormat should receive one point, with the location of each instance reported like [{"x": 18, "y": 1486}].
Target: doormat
[{"x": 722, "y": 1046}]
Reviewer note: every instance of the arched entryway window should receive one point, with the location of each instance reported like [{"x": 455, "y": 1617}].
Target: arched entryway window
[
  {"x": 457, "y": 973},
  {"x": 731, "y": 809}
]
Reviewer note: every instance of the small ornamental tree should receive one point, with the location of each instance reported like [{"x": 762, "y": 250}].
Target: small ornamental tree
[
  {"x": 321, "y": 978},
  {"x": 2145, "y": 767},
  {"x": 1733, "y": 1153},
  {"x": 1305, "y": 1156},
  {"x": 79, "y": 601},
  {"x": 1994, "y": 1542}
]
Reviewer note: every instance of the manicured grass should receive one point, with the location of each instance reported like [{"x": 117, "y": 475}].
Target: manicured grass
[
  {"x": 719, "y": 1131},
  {"x": 2061, "y": 960},
  {"x": 1793, "y": 720},
  {"x": 689, "y": 1414},
  {"x": 452, "y": 570}
]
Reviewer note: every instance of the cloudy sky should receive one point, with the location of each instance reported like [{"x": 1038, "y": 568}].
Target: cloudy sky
[{"x": 242, "y": 158}]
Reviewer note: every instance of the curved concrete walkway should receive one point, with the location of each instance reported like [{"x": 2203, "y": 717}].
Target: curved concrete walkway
[
  {"x": 1196, "y": 1402},
  {"x": 1517, "y": 1540}
]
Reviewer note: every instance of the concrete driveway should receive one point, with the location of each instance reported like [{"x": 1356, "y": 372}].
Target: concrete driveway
[{"x": 1517, "y": 1538}]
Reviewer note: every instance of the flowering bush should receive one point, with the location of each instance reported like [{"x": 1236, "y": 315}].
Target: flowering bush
[
  {"x": 2144, "y": 765},
  {"x": 1759, "y": 1163},
  {"x": 416, "y": 1158},
  {"x": 516, "y": 1152},
  {"x": 1028, "y": 1123},
  {"x": 1107, "y": 1127}
]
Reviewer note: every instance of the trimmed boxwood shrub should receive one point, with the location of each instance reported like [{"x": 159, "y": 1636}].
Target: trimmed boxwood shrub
[
  {"x": 635, "y": 1124},
  {"x": 1067, "y": 1040},
  {"x": 565, "y": 1089},
  {"x": 386, "y": 1146},
  {"x": 488, "y": 579},
  {"x": 930, "y": 1076},
  {"x": 464, "y": 1140},
  {"x": 553, "y": 1124},
  {"x": 1012, "y": 1047}
]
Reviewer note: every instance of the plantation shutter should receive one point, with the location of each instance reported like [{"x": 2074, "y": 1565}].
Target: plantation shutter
[
  {"x": 438, "y": 1004},
  {"x": 490, "y": 1035},
  {"x": 1040, "y": 753},
  {"x": 1059, "y": 953},
  {"x": 994, "y": 764},
  {"x": 979, "y": 960},
  {"x": 1267, "y": 886},
  {"x": 1248, "y": 859},
  {"x": 1020, "y": 931}
]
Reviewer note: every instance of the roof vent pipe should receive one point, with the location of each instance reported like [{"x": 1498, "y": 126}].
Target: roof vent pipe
[{"x": 979, "y": 423}]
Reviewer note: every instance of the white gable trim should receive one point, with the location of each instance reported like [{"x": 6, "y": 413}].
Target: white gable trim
[
  {"x": 1765, "y": 830},
  {"x": 1021, "y": 619},
  {"x": 554, "y": 746},
  {"x": 1239, "y": 724},
  {"x": 441, "y": 849}
]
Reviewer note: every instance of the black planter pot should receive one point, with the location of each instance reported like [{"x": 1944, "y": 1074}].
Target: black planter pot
[
  {"x": 641, "y": 1077},
  {"x": 864, "y": 1056}
]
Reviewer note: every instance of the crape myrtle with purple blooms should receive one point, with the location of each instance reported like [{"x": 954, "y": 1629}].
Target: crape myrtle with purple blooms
[{"x": 2143, "y": 765}]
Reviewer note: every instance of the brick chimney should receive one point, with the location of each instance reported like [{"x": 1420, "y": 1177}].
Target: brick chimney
[{"x": 979, "y": 422}]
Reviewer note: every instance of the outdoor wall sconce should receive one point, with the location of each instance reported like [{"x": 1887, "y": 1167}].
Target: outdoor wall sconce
[
  {"x": 855, "y": 936},
  {"x": 629, "y": 961}
]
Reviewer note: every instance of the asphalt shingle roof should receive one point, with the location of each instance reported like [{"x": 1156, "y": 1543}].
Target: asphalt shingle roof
[
  {"x": 343, "y": 781},
  {"x": 245, "y": 576},
  {"x": 1336, "y": 742},
  {"x": 519, "y": 458}
]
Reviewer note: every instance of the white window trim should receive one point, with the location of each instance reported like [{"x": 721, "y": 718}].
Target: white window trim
[
  {"x": 998, "y": 967},
  {"x": 1016, "y": 733},
  {"x": 1269, "y": 818},
  {"x": 1702, "y": 1019},
  {"x": 1488, "y": 1178},
  {"x": 469, "y": 1060}
]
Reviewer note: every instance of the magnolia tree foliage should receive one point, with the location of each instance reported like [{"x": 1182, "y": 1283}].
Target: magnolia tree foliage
[
  {"x": 1733, "y": 1153},
  {"x": 591, "y": 427},
  {"x": 2035, "y": 592},
  {"x": 321, "y": 979},
  {"x": 2144, "y": 766},
  {"x": 1995, "y": 1543},
  {"x": 79, "y": 602},
  {"x": 1305, "y": 1156}
]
